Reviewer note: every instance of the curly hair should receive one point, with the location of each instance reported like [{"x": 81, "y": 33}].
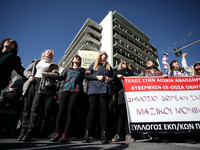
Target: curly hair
[
  {"x": 171, "y": 64},
  {"x": 15, "y": 50}
]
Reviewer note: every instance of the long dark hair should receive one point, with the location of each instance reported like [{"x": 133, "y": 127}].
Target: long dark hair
[
  {"x": 154, "y": 66},
  {"x": 195, "y": 70},
  {"x": 79, "y": 58},
  {"x": 171, "y": 64},
  {"x": 15, "y": 50}
]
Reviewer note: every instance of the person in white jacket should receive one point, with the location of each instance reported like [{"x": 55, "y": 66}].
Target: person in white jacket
[{"x": 192, "y": 70}]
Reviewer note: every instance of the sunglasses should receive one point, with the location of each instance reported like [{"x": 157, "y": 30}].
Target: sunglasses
[{"x": 11, "y": 41}]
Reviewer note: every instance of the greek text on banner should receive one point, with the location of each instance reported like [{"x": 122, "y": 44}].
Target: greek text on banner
[{"x": 160, "y": 100}]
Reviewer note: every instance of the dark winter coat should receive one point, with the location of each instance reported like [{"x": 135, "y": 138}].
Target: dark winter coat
[
  {"x": 96, "y": 86},
  {"x": 12, "y": 101},
  {"x": 119, "y": 93},
  {"x": 9, "y": 61}
]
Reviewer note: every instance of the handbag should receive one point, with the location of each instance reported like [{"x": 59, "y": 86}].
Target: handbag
[{"x": 49, "y": 82}]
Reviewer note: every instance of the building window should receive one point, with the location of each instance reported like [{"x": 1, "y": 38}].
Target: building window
[{"x": 120, "y": 51}]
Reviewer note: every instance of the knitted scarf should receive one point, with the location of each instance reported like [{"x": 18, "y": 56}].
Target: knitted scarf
[
  {"x": 179, "y": 69},
  {"x": 5, "y": 56}
]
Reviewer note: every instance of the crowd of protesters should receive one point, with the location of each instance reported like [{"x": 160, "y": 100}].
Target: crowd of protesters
[{"x": 43, "y": 103}]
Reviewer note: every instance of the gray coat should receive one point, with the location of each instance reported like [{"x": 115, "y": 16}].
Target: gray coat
[{"x": 31, "y": 71}]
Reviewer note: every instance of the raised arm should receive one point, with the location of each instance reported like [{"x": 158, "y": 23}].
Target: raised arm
[
  {"x": 185, "y": 66},
  {"x": 166, "y": 65}
]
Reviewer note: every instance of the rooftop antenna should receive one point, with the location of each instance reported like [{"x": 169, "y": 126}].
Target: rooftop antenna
[{"x": 108, "y": 6}]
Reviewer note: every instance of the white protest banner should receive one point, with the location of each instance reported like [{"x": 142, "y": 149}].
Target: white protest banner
[
  {"x": 88, "y": 57},
  {"x": 163, "y": 104}
]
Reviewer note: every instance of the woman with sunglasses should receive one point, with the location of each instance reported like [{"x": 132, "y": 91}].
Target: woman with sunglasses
[
  {"x": 9, "y": 61},
  {"x": 123, "y": 70}
]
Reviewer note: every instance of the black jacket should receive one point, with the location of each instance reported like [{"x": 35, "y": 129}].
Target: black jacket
[
  {"x": 119, "y": 90},
  {"x": 9, "y": 61},
  {"x": 12, "y": 101}
]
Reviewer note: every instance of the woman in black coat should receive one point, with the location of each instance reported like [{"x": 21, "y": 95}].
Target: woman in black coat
[
  {"x": 123, "y": 70},
  {"x": 9, "y": 61}
]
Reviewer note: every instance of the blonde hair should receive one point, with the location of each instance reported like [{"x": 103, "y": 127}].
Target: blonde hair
[
  {"x": 98, "y": 59},
  {"x": 120, "y": 66},
  {"x": 46, "y": 51}
]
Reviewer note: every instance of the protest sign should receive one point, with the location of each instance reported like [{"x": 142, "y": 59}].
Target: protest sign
[
  {"x": 163, "y": 104},
  {"x": 88, "y": 57}
]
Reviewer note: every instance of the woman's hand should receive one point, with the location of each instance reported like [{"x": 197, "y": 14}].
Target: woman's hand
[
  {"x": 54, "y": 71},
  {"x": 100, "y": 77},
  {"x": 165, "y": 75},
  {"x": 120, "y": 76},
  {"x": 88, "y": 72},
  {"x": 44, "y": 74},
  {"x": 31, "y": 79},
  {"x": 107, "y": 79},
  {"x": 10, "y": 89},
  {"x": 184, "y": 54}
]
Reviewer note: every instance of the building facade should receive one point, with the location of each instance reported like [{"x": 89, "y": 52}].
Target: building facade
[
  {"x": 88, "y": 38},
  {"x": 121, "y": 39}
]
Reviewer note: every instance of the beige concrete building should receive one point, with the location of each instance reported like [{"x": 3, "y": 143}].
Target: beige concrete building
[{"x": 116, "y": 35}]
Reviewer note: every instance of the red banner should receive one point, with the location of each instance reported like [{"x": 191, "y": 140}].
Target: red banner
[
  {"x": 163, "y": 104},
  {"x": 135, "y": 84}
]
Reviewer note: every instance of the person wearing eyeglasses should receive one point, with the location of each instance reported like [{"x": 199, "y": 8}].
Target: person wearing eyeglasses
[
  {"x": 9, "y": 61},
  {"x": 123, "y": 70},
  {"x": 100, "y": 94}
]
